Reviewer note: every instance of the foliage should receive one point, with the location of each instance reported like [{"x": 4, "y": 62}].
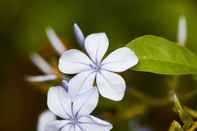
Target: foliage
[{"x": 161, "y": 56}]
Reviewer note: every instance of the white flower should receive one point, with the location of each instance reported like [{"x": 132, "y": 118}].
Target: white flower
[
  {"x": 44, "y": 120},
  {"x": 75, "y": 113},
  {"x": 44, "y": 66},
  {"x": 109, "y": 84}
]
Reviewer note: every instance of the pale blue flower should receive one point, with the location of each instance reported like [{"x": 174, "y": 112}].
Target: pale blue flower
[
  {"x": 93, "y": 67},
  {"x": 44, "y": 119},
  {"x": 42, "y": 64},
  {"x": 74, "y": 112}
]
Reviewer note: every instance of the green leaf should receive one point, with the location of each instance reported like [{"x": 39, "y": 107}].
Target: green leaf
[{"x": 161, "y": 56}]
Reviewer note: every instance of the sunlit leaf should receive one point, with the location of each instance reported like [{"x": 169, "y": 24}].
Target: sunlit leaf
[{"x": 161, "y": 56}]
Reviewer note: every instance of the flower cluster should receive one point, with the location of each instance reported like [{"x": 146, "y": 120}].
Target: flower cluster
[{"x": 93, "y": 74}]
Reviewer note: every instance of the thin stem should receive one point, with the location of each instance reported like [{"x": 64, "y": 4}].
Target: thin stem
[
  {"x": 155, "y": 102},
  {"x": 149, "y": 100},
  {"x": 194, "y": 127}
]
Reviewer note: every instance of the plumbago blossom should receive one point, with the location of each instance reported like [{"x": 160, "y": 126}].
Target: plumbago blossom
[
  {"x": 74, "y": 112},
  {"x": 44, "y": 119},
  {"x": 75, "y": 100},
  {"x": 58, "y": 46},
  {"x": 49, "y": 72},
  {"x": 93, "y": 68}
]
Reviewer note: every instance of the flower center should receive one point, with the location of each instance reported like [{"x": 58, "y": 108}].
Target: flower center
[
  {"x": 74, "y": 117},
  {"x": 65, "y": 85},
  {"x": 95, "y": 67},
  {"x": 75, "y": 121}
]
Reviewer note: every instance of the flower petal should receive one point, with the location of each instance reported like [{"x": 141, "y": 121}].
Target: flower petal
[
  {"x": 78, "y": 128},
  {"x": 86, "y": 102},
  {"x": 59, "y": 102},
  {"x": 92, "y": 123},
  {"x": 69, "y": 127},
  {"x": 120, "y": 60},
  {"x": 81, "y": 82},
  {"x": 96, "y": 46},
  {"x": 58, "y": 125},
  {"x": 111, "y": 85},
  {"x": 44, "y": 119},
  {"x": 74, "y": 61}
]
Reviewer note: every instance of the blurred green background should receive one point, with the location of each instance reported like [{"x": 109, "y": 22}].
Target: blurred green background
[{"x": 22, "y": 31}]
